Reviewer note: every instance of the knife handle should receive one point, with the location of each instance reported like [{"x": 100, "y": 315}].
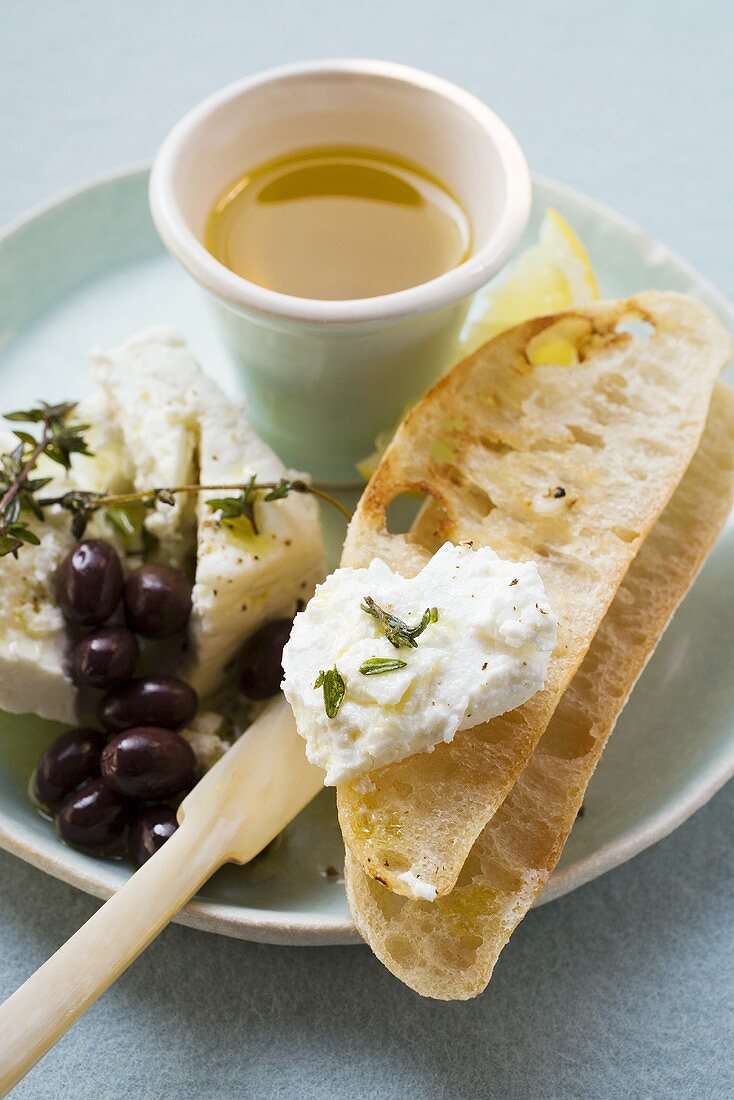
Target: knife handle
[
  {"x": 245, "y": 800},
  {"x": 34, "y": 1017}
]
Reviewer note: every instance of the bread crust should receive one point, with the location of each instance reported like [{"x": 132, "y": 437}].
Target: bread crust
[
  {"x": 448, "y": 949},
  {"x": 490, "y": 446}
]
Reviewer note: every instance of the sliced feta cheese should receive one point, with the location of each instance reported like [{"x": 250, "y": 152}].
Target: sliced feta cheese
[
  {"x": 34, "y": 639},
  {"x": 486, "y": 653},
  {"x": 108, "y": 469},
  {"x": 179, "y": 428},
  {"x": 158, "y": 421},
  {"x": 206, "y": 735},
  {"x": 243, "y": 580},
  {"x": 150, "y": 381}
]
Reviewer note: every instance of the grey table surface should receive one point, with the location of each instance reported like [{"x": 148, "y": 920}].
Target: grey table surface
[{"x": 623, "y": 989}]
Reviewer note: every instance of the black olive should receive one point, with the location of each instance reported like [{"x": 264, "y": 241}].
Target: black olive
[
  {"x": 150, "y": 830},
  {"x": 149, "y": 762},
  {"x": 261, "y": 659},
  {"x": 148, "y": 701},
  {"x": 89, "y": 582},
  {"x": 105, "y": 658},
  {"x": 92, "y": 815},
  {"x": 157, "y": 600},
  {"x": 72, "y": 758}
]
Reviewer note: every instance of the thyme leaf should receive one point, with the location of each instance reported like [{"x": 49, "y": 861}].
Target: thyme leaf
[
  {"x": 120, "y": 521},
  {"x": 397, "y": 632},
  {"x": 282, "y": 489},
  {"x": 244, "y": 504},
  {"x": 334, "y": 690},
  {"x": 376, "y": 666}
]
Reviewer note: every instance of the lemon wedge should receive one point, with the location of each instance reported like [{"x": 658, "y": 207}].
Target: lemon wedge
[
  {"x": 558, "y": 236},
  {"x": 550, "y": 276},
  {"x": 367, "y": 465}
]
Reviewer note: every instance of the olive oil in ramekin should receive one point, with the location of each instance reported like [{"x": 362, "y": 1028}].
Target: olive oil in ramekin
[{"x": 338, "y": 223}]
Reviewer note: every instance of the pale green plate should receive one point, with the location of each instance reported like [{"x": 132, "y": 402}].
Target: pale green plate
[{"x": 89, "y": 270}]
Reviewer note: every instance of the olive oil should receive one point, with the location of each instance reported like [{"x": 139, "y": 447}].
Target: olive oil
[{"x": 338, "y": 223}]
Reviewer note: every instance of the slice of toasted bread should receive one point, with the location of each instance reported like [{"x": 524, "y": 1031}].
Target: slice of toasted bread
[
  {"x": 448, "y": 949},
  {"x": 566, "y": 465}
]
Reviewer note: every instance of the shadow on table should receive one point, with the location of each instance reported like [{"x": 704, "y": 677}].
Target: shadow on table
[{"x": 619, "y": 989}]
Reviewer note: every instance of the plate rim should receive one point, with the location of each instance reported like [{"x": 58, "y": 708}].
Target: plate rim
[{"x": 304, "y": 929}]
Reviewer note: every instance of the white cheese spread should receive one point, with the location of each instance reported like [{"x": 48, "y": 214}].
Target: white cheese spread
[
  {"x": 486, "y": 653},
  {"x": 419, "y": 889}
]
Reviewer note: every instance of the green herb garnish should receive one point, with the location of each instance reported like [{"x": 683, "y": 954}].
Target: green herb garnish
[
  {"x": 242, "y": 505},
  {"x": 58, "y": 440},
  {"x": 334, "y": 690},
  {"x": 283, "y": 488},
  {"x": 396, "y": 631},
  {"x": 375, "y": 666},
  {"x": 18, "y": 490},
  {"x": 252, "y": 494}
]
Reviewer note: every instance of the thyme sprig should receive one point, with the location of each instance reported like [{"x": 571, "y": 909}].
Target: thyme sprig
[
  {"x": 83, "y": 505},
  {"x": 59, "y": 440},
  {"x": 244, "y": 504},
  {"x": 396, "y": 631}
]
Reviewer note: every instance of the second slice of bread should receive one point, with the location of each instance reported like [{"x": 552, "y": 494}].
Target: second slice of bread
[
  {"x": 569, "y": 466},
  {"x": 448, "y": 949}
]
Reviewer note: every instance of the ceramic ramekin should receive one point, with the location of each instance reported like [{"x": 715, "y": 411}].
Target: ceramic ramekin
[{"x": 322, "y": 378}]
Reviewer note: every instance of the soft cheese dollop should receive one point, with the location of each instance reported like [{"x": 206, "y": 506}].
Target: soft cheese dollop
[{"x": 486, "y": 653}]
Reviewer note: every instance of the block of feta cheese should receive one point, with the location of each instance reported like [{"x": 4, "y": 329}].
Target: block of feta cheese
[
  {"x": 33, "y": 637},
  {"x": 34, "y": 640},
  {"x": 180, "y": 428},
  {"x": 157, "y": 421},
  {"x": 244, "y": 580},
  {"x": 207, "y": 735},
  {"x": 149, "y": 381}
]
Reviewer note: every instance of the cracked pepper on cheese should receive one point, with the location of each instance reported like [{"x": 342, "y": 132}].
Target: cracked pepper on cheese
[{"x": 481, "y": 634}]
